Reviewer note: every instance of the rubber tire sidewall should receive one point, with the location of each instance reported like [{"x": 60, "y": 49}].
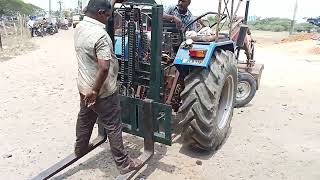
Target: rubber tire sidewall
[
  {"x": 194, "y": 133},
  {"x": 244, "y": 76}
]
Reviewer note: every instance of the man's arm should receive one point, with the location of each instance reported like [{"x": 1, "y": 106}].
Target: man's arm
[
  {"x": 103, "y": 54},
  {"x": 104, "y": 57},
  {"x": 102, "y": 74},
  {"x": 166, "y": 16}
]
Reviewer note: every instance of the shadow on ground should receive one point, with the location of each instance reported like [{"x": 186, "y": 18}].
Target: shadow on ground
[
  {"x": 200, "y": 154},
  {"x": 103, "y": 161}
]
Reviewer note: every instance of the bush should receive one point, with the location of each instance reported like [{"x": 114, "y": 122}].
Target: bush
[
  {"x": 271, "y": 24},
  {"x": 280, "y": 24},
  {"x": 278, "y": 28},
  {"x": 11, "y": 7},
  {"x": 306, "y": 27}
]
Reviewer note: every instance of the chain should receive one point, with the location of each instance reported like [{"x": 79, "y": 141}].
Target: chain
[
  {"x": 123, "y": 57},
  {"x": 131, "y": 21},
  {"x": 123, "y": 46},
  {"x": 142, "y": 40},
  {"x": 137, "y": 54},
  {"x": 131, "y": 53}
]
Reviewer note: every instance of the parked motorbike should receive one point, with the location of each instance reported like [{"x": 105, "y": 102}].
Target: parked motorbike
[
  {"x": 64, "y": 26},
  {"x": 50, "y": 29},
  {"x": 38, "y": 30}
]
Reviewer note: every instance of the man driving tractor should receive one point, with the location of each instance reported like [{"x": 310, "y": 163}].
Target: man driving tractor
[{"x": 181, "y": 15}]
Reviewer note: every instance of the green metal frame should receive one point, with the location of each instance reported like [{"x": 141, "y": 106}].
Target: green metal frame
[
  {"x": 132, "y": 117},
  {"x": 152, "y": 76},
  {"x": 147, "y": 118}
]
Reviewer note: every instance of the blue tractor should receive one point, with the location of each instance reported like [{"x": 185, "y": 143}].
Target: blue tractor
[
  {"x": 172, "y": 81},
  {"x": 197, "y": 75}
]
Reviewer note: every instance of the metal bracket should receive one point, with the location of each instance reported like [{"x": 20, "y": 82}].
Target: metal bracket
[
  {"x": 148, "y": 138},
  {"x": 148, "y": 126}
]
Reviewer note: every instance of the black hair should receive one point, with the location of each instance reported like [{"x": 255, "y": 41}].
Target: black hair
[{"x": 96, "y": 5}]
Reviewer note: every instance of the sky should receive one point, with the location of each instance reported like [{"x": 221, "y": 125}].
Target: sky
[{"x": 263, "y": 8}]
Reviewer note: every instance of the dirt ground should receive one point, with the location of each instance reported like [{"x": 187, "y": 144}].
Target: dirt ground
[
  {"x": 14, "y": 43},
  {"x": 14, "y": 46},
  {"x": 275, "y": 137}
]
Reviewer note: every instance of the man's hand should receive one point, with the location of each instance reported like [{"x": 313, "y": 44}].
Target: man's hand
[
  {"x": 177, "y": 21},
  {"x": 90, "y": 97}
]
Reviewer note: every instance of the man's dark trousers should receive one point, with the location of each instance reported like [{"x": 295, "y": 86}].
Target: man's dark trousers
[{"x": 107, "y": 112}]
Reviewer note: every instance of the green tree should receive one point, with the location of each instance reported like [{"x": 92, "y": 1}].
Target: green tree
[{"x": 12, "y": 7}]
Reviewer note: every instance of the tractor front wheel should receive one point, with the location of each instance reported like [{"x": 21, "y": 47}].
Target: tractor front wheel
[{"x": 208, "y": 101}]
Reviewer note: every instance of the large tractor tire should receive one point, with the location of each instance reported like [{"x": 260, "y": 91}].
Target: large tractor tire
[{"x": 208, "y": 102}]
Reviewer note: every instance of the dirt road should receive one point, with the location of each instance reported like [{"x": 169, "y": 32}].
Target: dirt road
[{"x": 276, "y": 137}]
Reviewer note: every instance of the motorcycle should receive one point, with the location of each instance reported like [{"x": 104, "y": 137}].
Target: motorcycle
[
  {"x": 38, "y": 30},
  {"x": 50, "y": 29},
  {"x": 64, "y": 26}
]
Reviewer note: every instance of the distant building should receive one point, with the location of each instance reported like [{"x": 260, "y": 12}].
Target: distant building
[{"x": 252, "y": 18}]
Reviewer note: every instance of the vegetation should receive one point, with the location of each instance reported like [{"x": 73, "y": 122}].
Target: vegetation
[
  {"x": 12, "y": 7},
  {"x": 280, "y": 24},
  {"x": 65, "y": 13},
  {"x": 306, "y": 27},
  {"x": 273, "y": 24}
]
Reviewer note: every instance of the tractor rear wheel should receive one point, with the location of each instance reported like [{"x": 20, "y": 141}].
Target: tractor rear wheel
[
  {"x": 247, "y": 87},
  {"x": 208, "y": 102}
]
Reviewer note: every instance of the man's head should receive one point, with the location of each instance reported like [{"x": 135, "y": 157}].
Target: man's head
[
  {"x": 100, "y": 10},
  {"x": 183, "y": 5}
]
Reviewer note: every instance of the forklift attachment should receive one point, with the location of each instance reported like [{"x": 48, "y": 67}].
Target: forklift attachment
[{"x": 102, "y": 137}]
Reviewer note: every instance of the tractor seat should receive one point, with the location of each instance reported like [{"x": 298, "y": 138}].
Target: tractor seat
[
  {"x": 209, "y": 38},
  {"x": 206, "y": 34}
]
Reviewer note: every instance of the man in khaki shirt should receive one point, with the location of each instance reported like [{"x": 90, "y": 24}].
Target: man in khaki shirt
[{"x": 97, "y": 79}]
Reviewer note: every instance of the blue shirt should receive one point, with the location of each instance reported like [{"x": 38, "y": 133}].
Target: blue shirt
[{"x": 185, "y": 18}]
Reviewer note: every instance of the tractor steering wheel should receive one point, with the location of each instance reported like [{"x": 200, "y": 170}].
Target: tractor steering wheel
[
  {"x": 223, "y": 16},
  {"x": 205, "y": 22}
]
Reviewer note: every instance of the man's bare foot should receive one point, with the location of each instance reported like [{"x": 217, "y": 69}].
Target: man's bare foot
[{"x": 134, "y": 164}]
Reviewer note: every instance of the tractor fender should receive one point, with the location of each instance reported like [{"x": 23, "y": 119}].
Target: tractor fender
[{"x": 184, "y": 59}]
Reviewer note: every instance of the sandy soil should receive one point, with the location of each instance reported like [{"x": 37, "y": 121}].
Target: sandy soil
[{"x": 275, "y": 137}]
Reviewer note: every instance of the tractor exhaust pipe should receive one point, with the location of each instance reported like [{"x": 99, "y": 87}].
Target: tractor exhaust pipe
[{"x": 245, "y": 20}]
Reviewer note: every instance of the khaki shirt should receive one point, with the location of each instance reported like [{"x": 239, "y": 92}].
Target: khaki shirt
[{"x": 92, "y": 42}]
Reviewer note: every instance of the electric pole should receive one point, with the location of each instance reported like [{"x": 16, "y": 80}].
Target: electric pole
[
  {"x": 294, "y": 17},
  {"x": 49, "y": 8},
  {"x": 60, "y": 2},
  {"x": 0, "y": 42},
  {"x": 79, "y": 6}
]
